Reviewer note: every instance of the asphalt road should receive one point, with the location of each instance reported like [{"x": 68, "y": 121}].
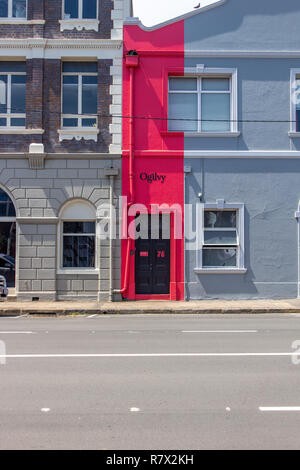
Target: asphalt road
[{"x": 150, "y": 382}]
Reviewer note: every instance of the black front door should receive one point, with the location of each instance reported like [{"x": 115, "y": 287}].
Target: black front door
[{"x": 152, "y": 255}]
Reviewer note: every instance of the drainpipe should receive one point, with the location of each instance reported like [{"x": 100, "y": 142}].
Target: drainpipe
[
  {"x": 132, "y": 62},
  {"x": 111, "y": 173}
]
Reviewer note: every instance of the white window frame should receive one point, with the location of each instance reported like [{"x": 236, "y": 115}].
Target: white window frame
[
  {"x": 78, "y": 116},
  {"x": 10, "y": 13},
  {"x": 81, "y": 208},
  {"x": 200, "y": 72},
  {"x": 220, "y": 205},
  {"x": 79, "y": 23},
  {"x": 9, "y": 115},
  {"x": 295, "y": 73},
  {"x": 80, "y": 11}
]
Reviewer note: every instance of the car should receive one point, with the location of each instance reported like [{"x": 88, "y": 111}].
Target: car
[
  {"x": 7, "y": 269},
  {"x": 3, "y": 287}
]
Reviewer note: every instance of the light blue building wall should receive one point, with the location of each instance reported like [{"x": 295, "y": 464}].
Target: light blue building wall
[{"x": 257, "y": 166}]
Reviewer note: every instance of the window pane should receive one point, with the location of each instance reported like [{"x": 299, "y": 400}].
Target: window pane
[
  {"x": 3, "y": 93},
  {"x": 89, "y": 122},
  {"x": 3, "y": 8},
  {"x": 183, "y": 106},
  {"x": 70, "y": 122},
  {"x": 2, "y": 122},
  {"x": 80, "y": 67},
  {"x": 78, "y": 252},
  {"x": 216, "y": 219},
  {"x": 12, "y": 66},
  {"x": 89, "y": 95},
  {"x": 19, "y": 8},
  {"x": 7, "y": 208},
  {"x": 89, "y": 9},
  {"x": 183, "y": 84},
  {"x": 215, "y": 84},
  {"x": 71, "y": 9},
  {"x": 79, "y": 227},
  {"x": 219, "y": 258},
  {"x": 218, "y": 237},
  {"x": 86, "y": 252},
  {"x": 215, "y": 112},
  {"x": 18, "y": 91},
  {"x": 17, "y": 122},
  {"x": 70, "y": 95}
]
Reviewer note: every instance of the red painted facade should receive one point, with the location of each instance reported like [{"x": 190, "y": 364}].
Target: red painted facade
[{"x": 148, "y": 148}]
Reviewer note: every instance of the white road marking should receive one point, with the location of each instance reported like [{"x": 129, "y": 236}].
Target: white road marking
[
  {"x": 219, "y": 331},
  {"x": 93, "y": 316},
  {"x": 17, "y": 333},
  {"x": 102, "y": 355},
  {"x": 228, "y": 408},
  {"x": 45, "y": 410},
  {"x": 21, "y": 316},
  {"x": 279, "y": 408},
  {"x": 135, "y": 410}
]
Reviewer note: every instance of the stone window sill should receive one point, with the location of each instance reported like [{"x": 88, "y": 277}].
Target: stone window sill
[
  {"x": 70, "y": 271},
  {"x": 78, "y": 134},
  {"x": 220, "y": 271},
  {"x": 11, "y": 130},
  {"x": 20, "y": 21},
  {"x": 79, "y": 25},
  {"x": 294, "y": 135}
]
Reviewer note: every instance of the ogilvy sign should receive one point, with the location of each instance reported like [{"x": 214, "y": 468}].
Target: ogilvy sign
[{"x": 152, "y": 177}]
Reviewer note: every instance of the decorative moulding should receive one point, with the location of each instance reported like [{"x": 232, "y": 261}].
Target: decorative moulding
[
  {"x": 79, "y": 25},
  {"x": 78, "y": 134}
]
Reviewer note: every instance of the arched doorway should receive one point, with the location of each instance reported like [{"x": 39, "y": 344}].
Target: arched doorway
[{"x": 7, "y": 238}]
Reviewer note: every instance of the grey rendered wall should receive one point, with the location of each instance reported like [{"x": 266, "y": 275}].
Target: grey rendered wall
[
  {"x": 38, "y": 196},
  {"x": 270, "y": 190},
  {"x": 245, "y": 25}
]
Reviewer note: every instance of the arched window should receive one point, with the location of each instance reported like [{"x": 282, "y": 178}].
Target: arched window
[
  {"x": 7, "y": 209},
  {"x": 78, "y": 233}
]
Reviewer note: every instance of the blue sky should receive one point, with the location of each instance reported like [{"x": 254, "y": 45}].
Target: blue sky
[{"x": 152, "y": 12}]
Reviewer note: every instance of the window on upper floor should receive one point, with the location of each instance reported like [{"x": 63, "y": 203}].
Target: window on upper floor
[
  {"x": 200, "y": 104},
  {"x": 79, "y": 94},
  {"x": 80, "y": 9},
  {"x": 13, "y": 9},
  {"x": 12, "y": 94}
]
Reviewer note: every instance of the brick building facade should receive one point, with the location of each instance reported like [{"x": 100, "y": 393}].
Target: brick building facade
[{"x": 60, "y": 146}]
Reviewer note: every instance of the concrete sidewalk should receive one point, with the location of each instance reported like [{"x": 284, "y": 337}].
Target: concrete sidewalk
[{"x": 150, "y": 307}]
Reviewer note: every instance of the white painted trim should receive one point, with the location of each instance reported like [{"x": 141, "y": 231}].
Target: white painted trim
[
  {"x": 294, "y": 135},
  {"x": 136, "y": 21},
  {"x": 232, "y": 73},
  {"x": 221, "y": 205},
  {"x": 78, "y": 133},
  {"x": 212, "y": 134},
  {"x": 76, "y": 271},
  {"x": 293, "y": 78},
  {"x": 241, "y": 154},
  {"x": 220, "y": 271},
  {"x": 11, "y": 130},
  {"x": 14, "y": 21},
  {"x": 40, "y": 48},
  {"x": 79, "y": 25}
]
